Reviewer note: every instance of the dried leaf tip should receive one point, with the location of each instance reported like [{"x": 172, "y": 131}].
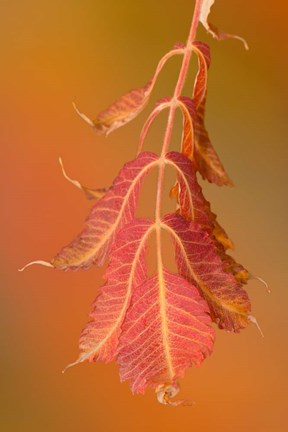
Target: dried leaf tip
[
  {"x": 217, "y": 34},
  {"x": 262, "y": 281},
  {"x": 168, "y": 391},
  {"x": 254, "y": 321},
  {"x": 89, "y": 193},
  {"x": 70, "y": 365},
  {"x": 38, "y": 262},
  {"x": 74, "y": 182},
  {"x": 83, "y": 116}
]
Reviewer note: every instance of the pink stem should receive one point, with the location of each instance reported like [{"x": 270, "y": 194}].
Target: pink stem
[
  {"x": 167, "y": 137},
  {"x": 177, "y": 92},
  {"x": 148, "y": 123}
]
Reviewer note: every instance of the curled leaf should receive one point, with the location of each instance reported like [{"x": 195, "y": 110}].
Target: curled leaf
[
  {"x": 187, "y": 146},
  {"x": 165, "y": 393},
  {"x": 128, "y": 106},
  {"x": 192, "y": 204},
  {"x": 187, "y": 107},
  {"x": 206, "y": 159},
  {"x": 197, "y": 144},
  {"x": 204, "y": 13},
  {"x": 200, "y": 86}
]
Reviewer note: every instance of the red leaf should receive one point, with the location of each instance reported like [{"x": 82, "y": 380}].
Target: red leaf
[
  {"x": 110, "y": 213},
  {"x": 126, "y": 270},
  {"x": 192, "y": 204},
  {"x": 128, "y": 106},
  {"x": 200, "y": 86},
  {"x": 166, "y": 330},
  {"x": 187, "y": 107},
  {"x": 198, "y": 261},
  {"x": 206, "y": 159},
  {"x": 196, "y": 143}
]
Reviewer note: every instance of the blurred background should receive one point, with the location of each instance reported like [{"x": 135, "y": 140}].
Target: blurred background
[{"x": 90, "y": 52}]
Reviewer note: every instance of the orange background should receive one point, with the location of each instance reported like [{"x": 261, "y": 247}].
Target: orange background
[{"x": 90, "y": 51}]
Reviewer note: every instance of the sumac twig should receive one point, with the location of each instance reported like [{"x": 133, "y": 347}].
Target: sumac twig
[{"x": 157, "y": 326}]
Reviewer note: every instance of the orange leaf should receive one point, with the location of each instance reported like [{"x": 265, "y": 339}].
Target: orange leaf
[
  {"x": 189, "y": 115},
  {"x": 200, "y": 86}
]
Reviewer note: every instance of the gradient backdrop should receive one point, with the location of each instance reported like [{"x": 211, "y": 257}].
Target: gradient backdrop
[{"x": 90, "y": 51}]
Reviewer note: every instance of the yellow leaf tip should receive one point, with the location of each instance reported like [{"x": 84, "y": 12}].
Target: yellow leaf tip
[
  {"x": 246, "y": 46},
  {"x": 38, "y": 262},
  {"x": 74, "y": 182},
  {"x": 264, "y": 283},
  {"x": 254, "y": 321},
  {"x": 71, "y": 365}
]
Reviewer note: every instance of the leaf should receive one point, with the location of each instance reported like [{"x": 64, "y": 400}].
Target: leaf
[
  {"x": 187, "y": 146},
  {"x": 200, "y": 86},
  {"x": 110, "y": 213},
  {"x": 206, "y": 158},
  {"x": 128, "y": 106},
  {"x": 231, "y": 266},
  {"x": 196, "y": 143},
  {"x": 166, "y": 330},
  {"x": 198, "y": 261},
  {"x": 187, "y": 107},
  {"x": 192, "y": 204},
  {"x": 205, "y": 11},
  {"x": 194, "y": 207},
  {"x": 123, "y": 110},
  {"x": 126, "y": 270},
  {"x": 221, "y": 236}
]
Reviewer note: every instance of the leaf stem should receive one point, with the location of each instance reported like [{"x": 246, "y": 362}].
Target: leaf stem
[
  {"x": 167, "y": 137},
  {"x": 177, "y": 93}
]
